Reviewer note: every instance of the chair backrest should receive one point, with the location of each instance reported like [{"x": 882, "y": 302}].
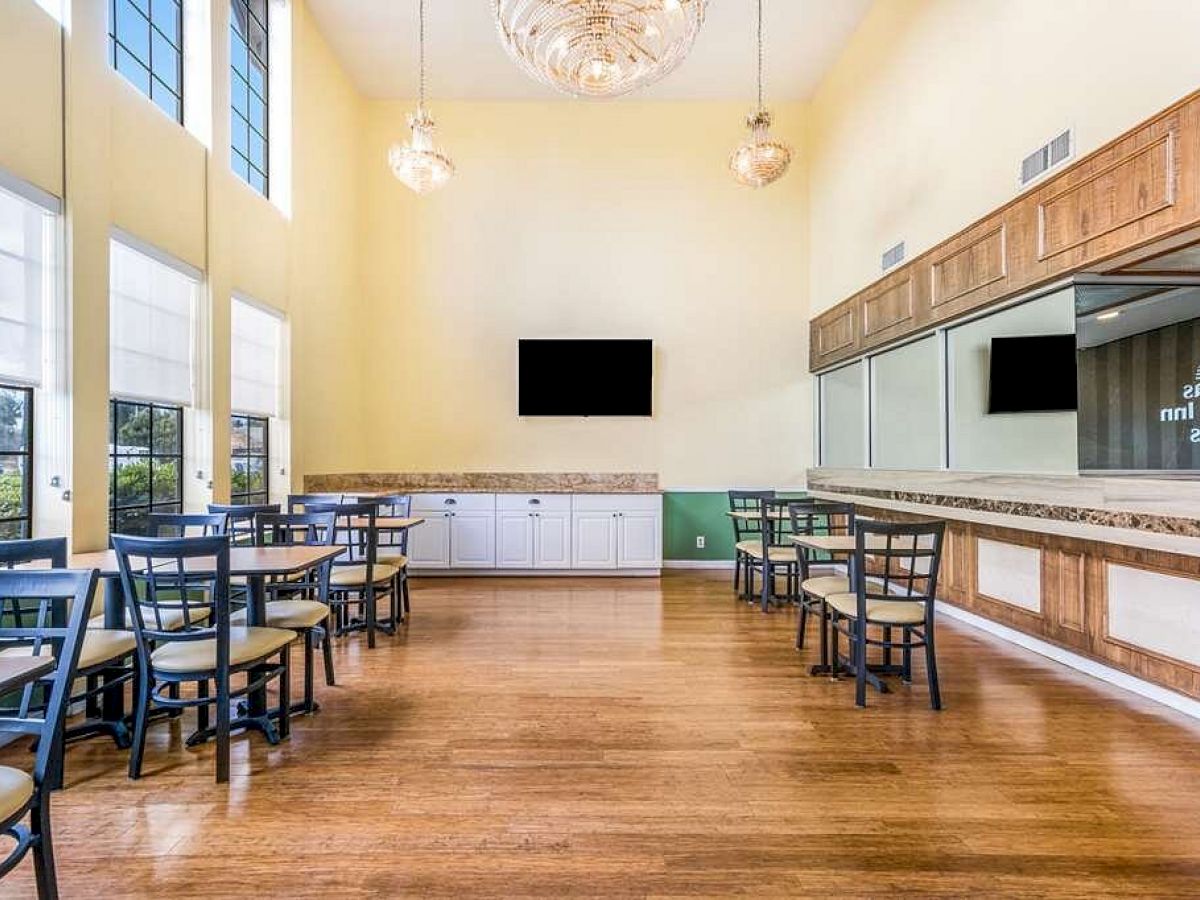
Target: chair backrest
[
  {"x": 746, "y": 501},
  {"x": 773, "y": 525},
  {"x": 239, "y": 519},
  {"x": 820, "y": 517},
  {"x": 187, "y": 524},
  {"x": 55, "y": 602},
  {"x": 310, "y": 529},
  {"x": 902, "y": 561},
  {"x": 48, "y": 550},
  {"x": 394, "y": 506},
  {"x": 355, "y": 532},
  {"x": 176, "y": 589},
  {"x": 300, "y": 502}
]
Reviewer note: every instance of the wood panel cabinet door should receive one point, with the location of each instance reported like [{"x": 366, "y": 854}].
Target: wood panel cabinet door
[
  {"x": 552, "y": 540},
  {"x": 638, "y": 536},
  {"x": 594, "y": 540},
  {"x": 473, "y": 540},
  {"x": 429, "y": 545},
  {"x": 515, "y": 540}
]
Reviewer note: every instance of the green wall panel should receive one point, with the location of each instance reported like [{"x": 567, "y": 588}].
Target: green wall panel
[{"x": 687, "y": 514}]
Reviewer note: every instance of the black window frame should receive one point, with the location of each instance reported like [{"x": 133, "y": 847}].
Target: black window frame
[
  {"x": 264, "y": 60},
  {"x": 115, "y": 44},
  {"x": 116, "y": 510},
  {"x": 25, "y": 520},
  {"x": 257, "y": 498}
]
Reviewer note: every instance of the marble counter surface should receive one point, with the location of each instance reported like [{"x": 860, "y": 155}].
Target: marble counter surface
[{"x": 487, "y": 482}]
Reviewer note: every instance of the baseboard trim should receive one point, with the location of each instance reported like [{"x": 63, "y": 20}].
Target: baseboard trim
[
  {"x": 535, "y": 573},
  {"x": 697, "y": 563},
  {"x": 1115, "y": 677}
]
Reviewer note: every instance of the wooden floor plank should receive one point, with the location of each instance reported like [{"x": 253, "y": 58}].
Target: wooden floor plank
[{"x": 646, "y": 738}]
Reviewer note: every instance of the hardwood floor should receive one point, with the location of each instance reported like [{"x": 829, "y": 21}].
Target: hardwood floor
[{"x": 640, "y": 738}]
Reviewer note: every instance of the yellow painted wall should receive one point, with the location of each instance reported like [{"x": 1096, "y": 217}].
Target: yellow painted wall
[
  {"x": 587, "y": 220},
  {"x": 131, "y": 167},
  {"x": 920, "y": 126}
]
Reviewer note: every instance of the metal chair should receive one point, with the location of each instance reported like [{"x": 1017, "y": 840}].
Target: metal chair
[
  {"x": 57, "y": 602},
  {"x": 240, "y": 519},
  {"x": 393, "y": 547},
  {"x": 358, "y": 578},
  {"x": 820, "y": 574},
  {"x": 746, "y": 535},
  {"x": 900, "y": 593},
  {"x": 300, "y": 502},
  {"x": 186, "y": 524},
  {"x": 773, "y": 551},
  {"x": 188, "y": 578}
]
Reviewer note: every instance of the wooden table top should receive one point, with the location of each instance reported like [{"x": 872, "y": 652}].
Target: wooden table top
[
  {"x": 390, "y": 523},
  {"x": 18, "y": 671},
  {"x": 753, "y": 515},
  {"x": 249, "y": 561},
  {"x": 838, "y": 543}
]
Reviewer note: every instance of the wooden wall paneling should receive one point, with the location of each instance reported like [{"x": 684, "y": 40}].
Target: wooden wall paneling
[
  {"x": 835, "y": 335},
  {"x": 892, "y": 307},
  {"x": 968, "y": 269}
]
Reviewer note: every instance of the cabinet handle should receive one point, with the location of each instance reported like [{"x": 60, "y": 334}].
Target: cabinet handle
[
  {"x": 535, "y": 502},
  {"x": 450, "y": 501}
]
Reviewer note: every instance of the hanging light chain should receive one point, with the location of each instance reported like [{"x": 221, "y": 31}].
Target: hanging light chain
[
  {"x": 421, "y": 31},
  {"x": 760, "y": 54}
]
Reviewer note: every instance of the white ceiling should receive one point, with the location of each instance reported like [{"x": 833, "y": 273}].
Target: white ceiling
[{"x": 376, "y": 41}]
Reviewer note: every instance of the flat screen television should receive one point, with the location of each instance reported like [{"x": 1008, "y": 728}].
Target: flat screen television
[
  {"x": 585, "y": 377},
  {"x": 1036, "y": 373}
]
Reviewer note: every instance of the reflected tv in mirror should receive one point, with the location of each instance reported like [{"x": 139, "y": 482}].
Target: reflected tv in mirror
[{"x": 585, "y": 377}]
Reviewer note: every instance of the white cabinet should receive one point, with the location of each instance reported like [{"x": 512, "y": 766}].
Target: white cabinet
[
  {"x": 594, "y": 540},
  {"x": 429, "y": 542},
  {"x": 639, "y": 534},
  {"x": 533, "y": 531},
  {"x": 514, "y": 540},
  {"x": 459, "y": 531},
  {"x": 473, "y": 540},
  {"x": 552, "y": 540},
  {"x": 617, "y": 531}
]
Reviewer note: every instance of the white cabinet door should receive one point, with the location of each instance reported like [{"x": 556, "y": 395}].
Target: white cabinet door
[
  {"x": 594, "y": 540},
  {"x": 639, "y": 534},
  {"x": 515, "y": 540},
  {"x": 473, "y": 540},
  {"x": 429, "y": 542},
  {"x": 552, "y": 540}
]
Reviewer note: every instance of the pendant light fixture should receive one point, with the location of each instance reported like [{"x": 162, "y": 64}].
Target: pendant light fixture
[
  {"x": 599, "y": 48},
  {"x": 420, "y": 164},
  {"x": 760, "y": 159}
]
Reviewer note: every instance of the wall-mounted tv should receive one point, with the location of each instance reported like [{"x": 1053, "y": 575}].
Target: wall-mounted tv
[
  {"x": 585, "y": 377},
  {"x": 1035, "y": 373}
]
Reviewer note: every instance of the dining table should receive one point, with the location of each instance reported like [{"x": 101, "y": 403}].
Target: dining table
[
  {"x": 18, "y": 671},
  {"x": 255, "y": 564}
]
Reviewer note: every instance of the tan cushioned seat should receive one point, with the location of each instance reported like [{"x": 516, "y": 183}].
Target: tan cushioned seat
[
  {"x": 778, "y": 554},
  {"x": 289, "y": 614},
  {"x": 399, "y": 560},
  {"x": 16, "y": 787},
  {"x": 825, "y": 585},
  {"x": 883, "y": 612},
  {"x": 172, "y": 619},
  {"x": 245, "y": 646},
  {"x": 352, "y": 576},
  {"x": 100, "y": 645}
]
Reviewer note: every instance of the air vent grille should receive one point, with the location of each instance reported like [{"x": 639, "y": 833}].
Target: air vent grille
[
  {"x": 893, "y": 256},
  {"x": 1045, "y": 158}
]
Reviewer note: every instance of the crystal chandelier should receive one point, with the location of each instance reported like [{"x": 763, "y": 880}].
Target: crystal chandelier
[
  {"x": 420, "y": 164},
  {"x": 760, "y": 159},
  {"x": 599, "y": 48}
]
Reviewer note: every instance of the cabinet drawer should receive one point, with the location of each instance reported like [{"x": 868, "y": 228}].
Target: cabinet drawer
[
  {"x": 451, "y": 502},
  {"x": 617, "y": 502},
  {"x": 533, "y": 502}
]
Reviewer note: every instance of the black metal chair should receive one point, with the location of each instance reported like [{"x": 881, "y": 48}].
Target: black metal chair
[
  {"x": 57, "y": 602},
  {"x": 300, "y": 502},
  {"x": 188, "y": 578},
  {"x": 899, "y": 594},
  {"x": 774, "y": 551},
  {"x": 358, "y": 578},
  {"x": 240, "y": 519},
  {"x": 821, "y": 574},
  {"x": 186, "y": 524},
  {"x": 107, "y": 653},
  {"x": 302, "y": 604},
  {"x": 746, "y": 535},
  {"x": 393, "y": 547}
]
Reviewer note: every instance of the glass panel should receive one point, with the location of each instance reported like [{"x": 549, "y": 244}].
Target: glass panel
[
  {"x": 165, "y": 100},
  {"x": 130, "y": 521},
  {"x": 143, "y": 5},
  {"x": 256, "y": 474},
  {"x": 239, "y": 165},
  {"x": 166, "y": 431},
  {"x": 14, "y": 502},
  {"x": 239, "y": 476},
  {"x": 258, "y": 151},
  {"x": 238, "y": 54},
  {"x": 165, "y": 14},
  {"x": 258, "y": 436},
  {"x": 843, "y": 417},
  {"x": 165, "y": 61},
  {"x": 138, "y": 74},
  {"x": 240, "y": 92},
  {"x": 133, "y": 481},
  {"x": 133, "y": 428},
  {"x": 12, "y": 531},
  {"x": 258, "y": 77},
  {"x": 133, "y": 30},
  {"x": 167, "y": 485},
  {"x": 258, "y": 113},
  {"x": 239, "y": 434},
  {"x": 257, "y": 41},
  {"x": 258, "y": 181},
  {"x": 906, "y": 407},
  {"x": 258, "y": 8},
  {"x": 240, "y": 135},
  {"x": 14, "y": 419}
]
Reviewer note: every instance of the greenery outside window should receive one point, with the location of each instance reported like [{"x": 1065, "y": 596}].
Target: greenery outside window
[
  {"x": 249, "y": 478},
  {"x": 145, "y": 463},
  {"x": 16, "y": 462}
]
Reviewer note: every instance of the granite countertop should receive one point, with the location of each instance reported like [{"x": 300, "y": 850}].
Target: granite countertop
[{"x": 487, "y": 482}]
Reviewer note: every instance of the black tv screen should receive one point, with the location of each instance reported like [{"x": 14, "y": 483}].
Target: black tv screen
[
  {"x": 585, "y": 377},
  {"x": 1033, "y": 374}
]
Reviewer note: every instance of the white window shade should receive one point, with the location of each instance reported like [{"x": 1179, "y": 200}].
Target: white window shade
[
  {"x": 150, "y": 328},
  {"x": 255, "y": 360},
  {"x": 26, "y": 270}
]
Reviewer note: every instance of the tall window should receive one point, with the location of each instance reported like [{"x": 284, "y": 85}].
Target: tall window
[
  {"x": 249, "y": 85},
  {"x": 146, "y": 46},
  {"x": 16, "y": 458},
  {"x": 150, "y": 374},
  {"x": 145, "y": 463},
  {"x": 250, "y": 457}
]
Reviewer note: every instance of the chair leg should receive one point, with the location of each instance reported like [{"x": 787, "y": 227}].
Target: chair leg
[
  {"x": 327, "y": 652},
  {"x": 737, "y": 571},
  {"x": 369, "y": 615},
  {"x": 801, "y": 623},
  {"x": 906, "y": 657},
  {"x": 173, "y": 693},
  {"x": 935, "y": 693},
  {"x": 92, "y": 704},
  {"x": 834, "y": 662},
  {"x": 222, "y": 679},
  {"x": 309, "y": 637},
  {"x": 860, "y": 662},
  {"x": 285, "y": 694},
  {"x": 202, "y": 710},
  {"x": 43, "y": 851},
  {"x": 825, "y": 629},
  {"x": 141, "y": 713},
  {"x": 406, "y": 604}
]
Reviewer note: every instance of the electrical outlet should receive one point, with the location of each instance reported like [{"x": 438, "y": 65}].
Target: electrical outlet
[{"x": 699, "y": 542}]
